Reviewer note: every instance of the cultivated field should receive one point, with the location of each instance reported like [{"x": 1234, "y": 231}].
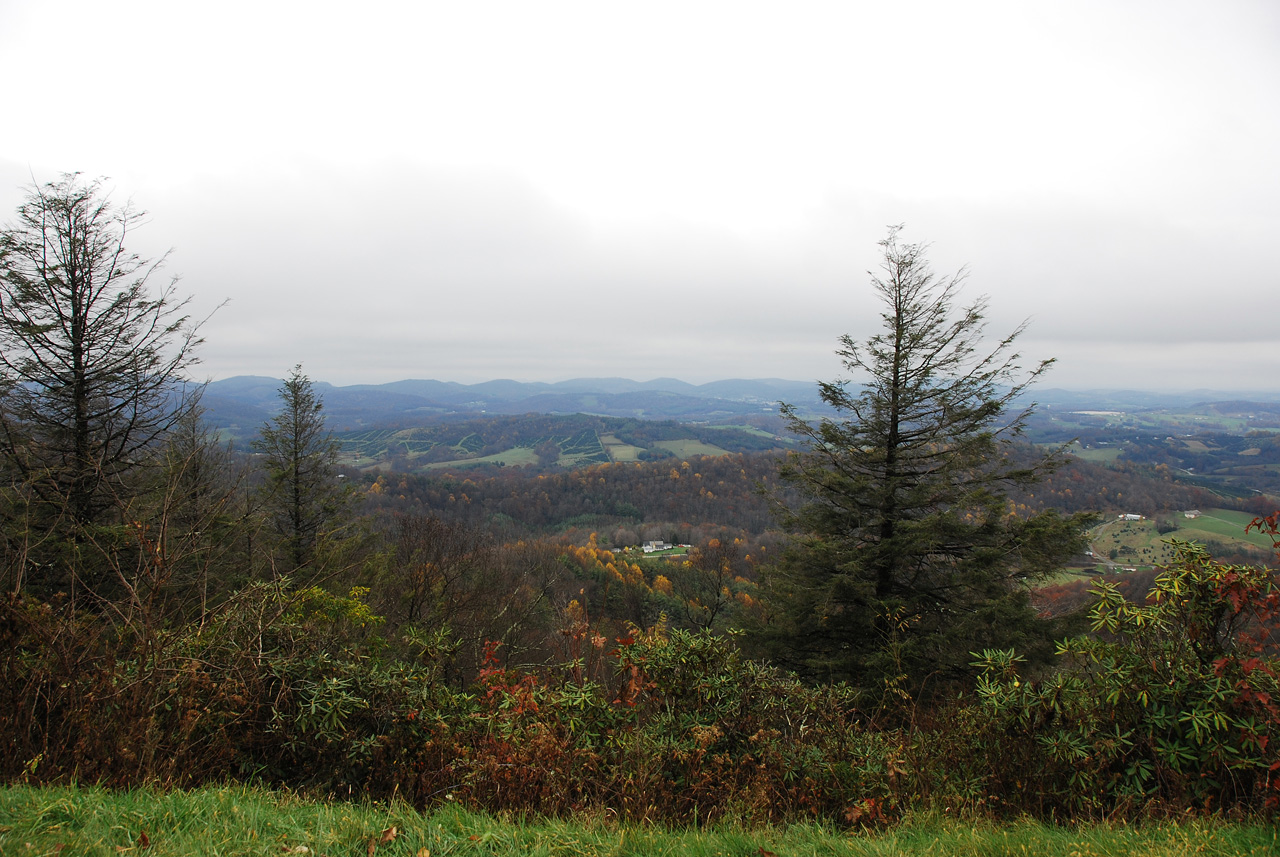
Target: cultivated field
[
  {"x": 619, "y": 451},
  {"x": 687, "y": 448}
]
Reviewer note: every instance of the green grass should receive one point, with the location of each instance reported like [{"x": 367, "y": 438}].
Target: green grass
[
  {"x": 1097, "y": 455},
  {"x": 752, "y": 430},
  {"x": 618, "y": 450},
  {"x": 236, "y": 821},
  {"x": 518, "y": 455},
  {"x": 1146, "y": 547},
  {"x": 687, "y": 448},
  {"x": 1221, "y": 524},
  {"x": 1151, "y": 548}
]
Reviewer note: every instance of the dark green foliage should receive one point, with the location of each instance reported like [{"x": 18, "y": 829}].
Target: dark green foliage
[
  {"x": 276, "y": 683},
  {"x": 906, "y": 554},
  {"x": 297, "y": 688},
  {"x": 1176, "y": 699},
  {"x": 300, "y": 688},
  {"x": 303, "y": 495}
]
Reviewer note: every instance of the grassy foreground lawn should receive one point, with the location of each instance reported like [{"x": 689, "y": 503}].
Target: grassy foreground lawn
[{"x": 246, "y": 821}]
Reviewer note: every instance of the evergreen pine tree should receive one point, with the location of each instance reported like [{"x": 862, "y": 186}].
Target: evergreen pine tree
[
  {"x": 302, "y": 494},
  {"x": 905, "y": 556}
]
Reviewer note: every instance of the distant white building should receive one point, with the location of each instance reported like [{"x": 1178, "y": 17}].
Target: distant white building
[
  {"x": 650, "y": 547},
  {"x": 1191, "y": 513},
  {"x": 1129, "y": 516}
]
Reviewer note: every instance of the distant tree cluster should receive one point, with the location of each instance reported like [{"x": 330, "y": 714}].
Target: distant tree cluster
[{"x": 705, "y": 491}]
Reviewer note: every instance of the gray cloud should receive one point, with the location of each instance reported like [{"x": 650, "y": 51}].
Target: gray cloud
[{"x": 556, "y": 194}]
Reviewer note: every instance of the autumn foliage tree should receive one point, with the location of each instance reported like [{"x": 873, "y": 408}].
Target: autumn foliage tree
[{"x": 703, "y": 582}]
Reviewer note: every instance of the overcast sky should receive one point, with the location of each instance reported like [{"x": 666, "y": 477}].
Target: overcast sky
[{"x": 547, "y": 190}]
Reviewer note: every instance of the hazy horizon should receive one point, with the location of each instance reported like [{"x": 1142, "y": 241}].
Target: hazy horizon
[{"x": 1044, "y": 386}]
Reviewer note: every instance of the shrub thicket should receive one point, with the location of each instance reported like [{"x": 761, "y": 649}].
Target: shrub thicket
[
  {"x": 1176, "y": 700},
  {"x": 1172, "y": 703}
]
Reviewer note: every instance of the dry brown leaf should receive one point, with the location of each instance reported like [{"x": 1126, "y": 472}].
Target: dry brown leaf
[
  {"x": 388, "y": 835},
  {"x": 424, "y": 852},
  {"x": 144, "y": 841}
]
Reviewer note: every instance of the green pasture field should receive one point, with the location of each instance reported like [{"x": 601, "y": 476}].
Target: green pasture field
[
  {"x": 1137, "y": 542},
  {"x": 688, "y": 448},
  {"x": 1169, "y": 422},
  {"x": 1208, "y": 422},
  {"x": 1183, "y": 422},
  {"x": 1097, "y": 455},
  {"x": 752, "y": 430},
  {"x": 758, "y": 432},
  {"x": 516, "y": 456},
  {"x": 236, "y": 820},
  {"x": 1222, "y": 524},
  {"x": 1148, "y": 547},
  {"x": 619, "y": 451},
  {"x": 577, "y": 459}
]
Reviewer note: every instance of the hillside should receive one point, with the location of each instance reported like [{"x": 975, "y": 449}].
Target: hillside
[
  {"x": 543, "y": 441},
  {"x": 1231, "y": 447},
  {"x": 1214, "y": 441}
]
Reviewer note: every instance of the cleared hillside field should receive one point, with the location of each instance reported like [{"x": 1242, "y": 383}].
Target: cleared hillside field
[
  {"x": 1138, "y": 543},
  {"x": 687, "y": 448},
  {"x": 1097, "y": 454},
  {"x": 619, "y": 450},
  {"x": 515, "y": 457}
]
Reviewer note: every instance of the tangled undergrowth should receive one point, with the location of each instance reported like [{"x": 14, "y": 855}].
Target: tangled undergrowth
[{"x": 1170, "y": 707}]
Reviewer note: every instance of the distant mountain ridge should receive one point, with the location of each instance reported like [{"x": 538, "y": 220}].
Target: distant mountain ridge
[
  {"x": 241, "y": 404},
  {"x": 1137, "y": 399}
]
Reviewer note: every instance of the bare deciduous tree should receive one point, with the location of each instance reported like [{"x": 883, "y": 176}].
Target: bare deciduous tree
[{"x": 93, "y": 359}]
